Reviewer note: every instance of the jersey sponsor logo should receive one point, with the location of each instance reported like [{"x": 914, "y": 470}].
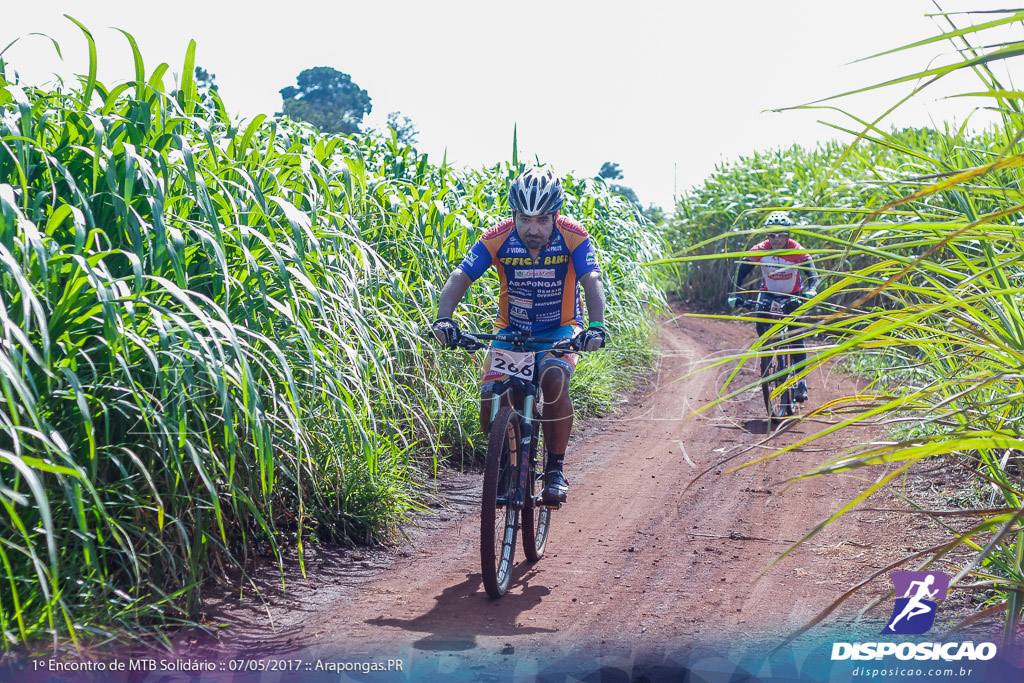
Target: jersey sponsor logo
[
  {"x": 517, "y": 312},
  {"x": 544, "y": 273},
  {"x": 516, "y": 261},
  {"x": 522, "y": 285},
  {"x": 520, "y": 301},
  {"x": 780, "y": 273},
  {"x": 592, "y": 258},
  {"x": 555, "y": 260}
]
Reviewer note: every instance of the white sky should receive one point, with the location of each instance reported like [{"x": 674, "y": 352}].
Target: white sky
[{"x": 665, "y": 89}]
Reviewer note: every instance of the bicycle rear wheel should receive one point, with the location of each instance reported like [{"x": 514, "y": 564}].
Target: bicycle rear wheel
[
  {"x": 536, "y": 516},
  {"x": 498, "y": 525}
]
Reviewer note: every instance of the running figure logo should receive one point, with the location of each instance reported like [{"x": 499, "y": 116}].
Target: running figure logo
[{"x": 915, "y": 602}]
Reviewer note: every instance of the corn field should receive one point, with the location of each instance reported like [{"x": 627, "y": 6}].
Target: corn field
[
  {"x": 919, "y": 235},
  {"x": 213, "y": 344}
]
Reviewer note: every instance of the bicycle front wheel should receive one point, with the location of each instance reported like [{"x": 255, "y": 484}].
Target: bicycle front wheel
[
  {"x": 778, "y": 404},
  {"x": 536, "y": 516},
  {"x": 499, "y": 520}
]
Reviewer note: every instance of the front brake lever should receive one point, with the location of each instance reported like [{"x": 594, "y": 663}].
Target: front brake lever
[
  {"x": 469, "y": 343},
  {"x": 561, "y": 347}
]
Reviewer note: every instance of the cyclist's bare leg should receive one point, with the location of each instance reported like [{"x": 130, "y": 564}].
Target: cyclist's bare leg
[
  {"x": 558, "y": 413},
  {"x": 557, "y": 426}
]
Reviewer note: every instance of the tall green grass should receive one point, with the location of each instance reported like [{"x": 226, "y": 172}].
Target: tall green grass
[
  {"x": 828, "y": 189},
  {"x": 921, "y": 234},
  {"x": 212, "y": 342}
]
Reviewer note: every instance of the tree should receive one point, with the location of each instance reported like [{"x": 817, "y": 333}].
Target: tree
[
  {"x": 205, "y": 81},
  {"x": 626, "y": 192},
  {"x": 206, "y": 87},
  {"x": 405, "y": 129},
  {"x": 610, "y": 171},
  {"x": 328, "y": 99}
]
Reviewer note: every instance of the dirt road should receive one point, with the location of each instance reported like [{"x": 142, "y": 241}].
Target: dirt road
[{"x": 648, "y": 568}]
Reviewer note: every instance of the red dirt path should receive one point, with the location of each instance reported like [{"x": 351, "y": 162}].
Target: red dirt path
[{"x": 642, "y": 573}]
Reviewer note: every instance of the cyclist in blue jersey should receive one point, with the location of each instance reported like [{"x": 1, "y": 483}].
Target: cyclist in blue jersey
[{"x": 542, "y": 260}]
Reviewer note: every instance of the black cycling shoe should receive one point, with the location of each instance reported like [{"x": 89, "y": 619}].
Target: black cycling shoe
[
  {"x": 556, "y": 488},
  {"x": 800, "y": 393}
]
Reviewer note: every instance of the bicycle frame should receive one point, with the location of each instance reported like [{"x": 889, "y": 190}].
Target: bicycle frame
[
  {"x": 775, "y": 367},
  {"x": 526, "y": 391}
]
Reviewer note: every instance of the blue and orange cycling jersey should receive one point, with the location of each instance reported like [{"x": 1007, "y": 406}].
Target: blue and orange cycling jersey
[{"x": 537, "y": 294}]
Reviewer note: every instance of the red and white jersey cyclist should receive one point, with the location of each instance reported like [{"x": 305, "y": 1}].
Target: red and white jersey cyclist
[
  {"x": 781, "y": 273},
  {"x": 786, "y": 269}
]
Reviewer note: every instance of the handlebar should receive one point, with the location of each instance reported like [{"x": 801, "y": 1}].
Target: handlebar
[
  {"x": 471, "y": 341},
  {"x": 752, "y": 303}
]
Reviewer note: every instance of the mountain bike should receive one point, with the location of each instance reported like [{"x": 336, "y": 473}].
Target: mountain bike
[
  {"x": 513, "y": 471},
  {"x": 779, "y": 398}
]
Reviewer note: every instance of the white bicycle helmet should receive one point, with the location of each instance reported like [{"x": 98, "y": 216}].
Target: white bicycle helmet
[
  {"x": 536, "y": 191},
  {"x": 778, "y": 218}
]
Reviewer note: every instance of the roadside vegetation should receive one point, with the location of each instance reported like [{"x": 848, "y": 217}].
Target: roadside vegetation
[
  {"x": 919, "y": 234},
  {"x": 213, "y": 345},
  {"x": 212, "y": 342}
]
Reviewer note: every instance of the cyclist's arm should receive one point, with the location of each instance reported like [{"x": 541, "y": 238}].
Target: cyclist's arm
[
  {"x": 812, "y": 274},
  {"x": 741, "y": 273},
  {"x": 451, "y": 294},
  {"x": 593, "y": 288}
]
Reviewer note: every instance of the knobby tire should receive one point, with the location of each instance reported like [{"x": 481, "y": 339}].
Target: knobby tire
[
  {"x": 536, "y": 516},
  {"x": 498, "y": 526},
  {"x": 781, "y": 404}
]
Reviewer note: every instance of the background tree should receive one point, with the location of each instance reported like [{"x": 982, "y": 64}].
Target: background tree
[
  {"x": 610, "y": 171},
  {"x": 626, "y": 192},
  {"x": 328, "y": 99},
  {"x": 405, "y": 129},
  {"x": 205, "y": 80},
  {"x": 206, "y": 86}
]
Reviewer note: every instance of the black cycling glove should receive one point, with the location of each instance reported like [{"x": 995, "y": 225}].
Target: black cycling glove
[
  {"x": 447, "y": 332},
  {"x": 590, "y": 339}
]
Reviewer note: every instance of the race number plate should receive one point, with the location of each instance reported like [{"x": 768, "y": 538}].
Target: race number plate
[{"x": 514, "y": 363}]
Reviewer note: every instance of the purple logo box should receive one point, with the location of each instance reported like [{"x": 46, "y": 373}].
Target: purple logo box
[{"x": 938, "y": 585}]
